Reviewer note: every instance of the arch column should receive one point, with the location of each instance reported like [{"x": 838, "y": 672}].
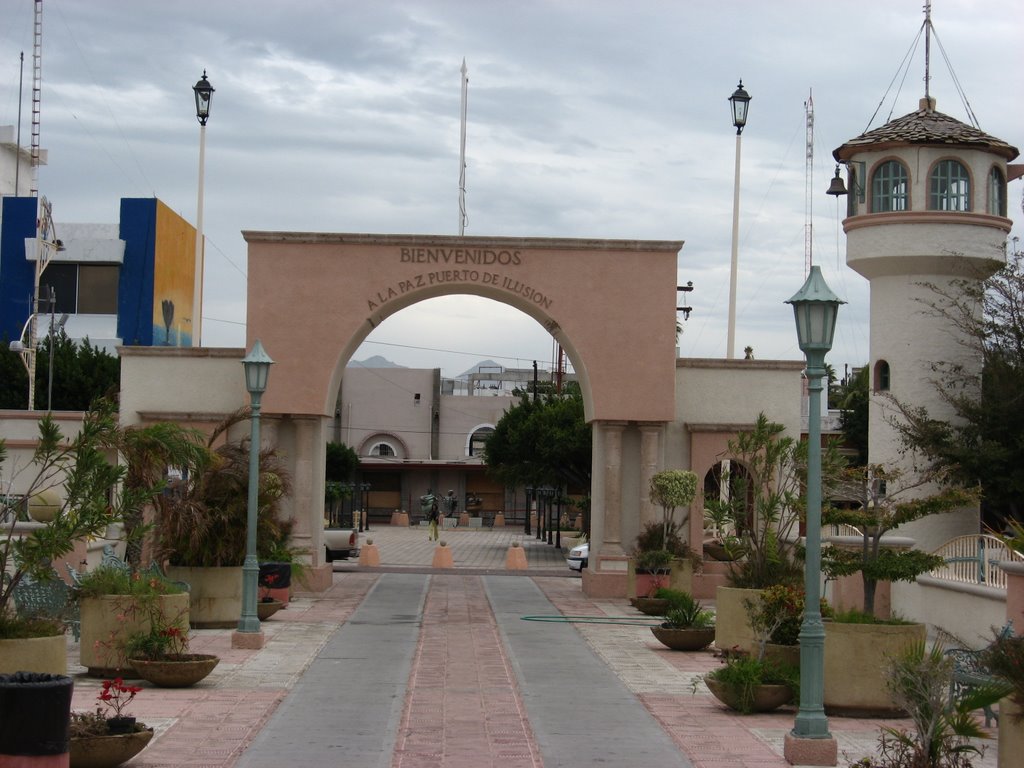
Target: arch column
[
  {"x": 611, "y": 461},
  {"x": 650, "y": 460},
  {"x": 307, "y": 466}
]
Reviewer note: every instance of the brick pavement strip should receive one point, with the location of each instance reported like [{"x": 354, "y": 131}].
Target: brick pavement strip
[{"x": 462, "y": 708}]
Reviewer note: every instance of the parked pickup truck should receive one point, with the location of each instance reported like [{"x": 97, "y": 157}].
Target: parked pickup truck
[{"x": 341, "y": 543}]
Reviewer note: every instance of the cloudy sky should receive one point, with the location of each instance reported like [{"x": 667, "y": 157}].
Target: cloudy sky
[{"x": 587, "y": 118}]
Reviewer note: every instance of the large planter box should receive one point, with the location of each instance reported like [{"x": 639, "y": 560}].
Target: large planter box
[
  {"x": 680, "y": 576},
  {"x": 732, "y": 627},
  {"x": 215, "y": 595},
  {"x": 34, "y": 654},
  {"x": 1011, "y": 733},
  {"x": 856, "y": 656},
  {"x": 107, "y": 622}
]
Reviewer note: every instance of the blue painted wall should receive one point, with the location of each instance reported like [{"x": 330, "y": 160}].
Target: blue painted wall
[
  {"x": 135, "y": 289},
  {"x": 17, "y": 274}
]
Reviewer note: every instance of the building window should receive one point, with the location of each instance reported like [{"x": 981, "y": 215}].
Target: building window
[
  {"x": 87, "y": 289},
  {"x": 478, "y": 440},
  {"x": 882, "y": 376},
  {"x": 889, "y": 188},
  {"x": 382, "y": 449},
  {"x": 996, "y": 193},
  {"x": 950, "y": 187}
]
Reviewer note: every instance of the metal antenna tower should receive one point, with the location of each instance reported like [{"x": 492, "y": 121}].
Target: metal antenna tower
[
  {"x": 808, "y": 184},
  {"x": 37, "y": 89}
]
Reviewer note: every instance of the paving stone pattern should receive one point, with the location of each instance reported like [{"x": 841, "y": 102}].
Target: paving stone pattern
[{"x": 408, "y": 667}]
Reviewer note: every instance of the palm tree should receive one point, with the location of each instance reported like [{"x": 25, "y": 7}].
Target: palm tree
[{"x": 147, "y": 454}]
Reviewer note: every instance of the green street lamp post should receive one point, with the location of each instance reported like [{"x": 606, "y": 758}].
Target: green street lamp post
[
  {"x": 815, "y": 308},
  {"x": 257, "y": 370}
]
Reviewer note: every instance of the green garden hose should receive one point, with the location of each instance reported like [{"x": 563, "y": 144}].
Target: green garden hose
[{"x": 615, "y": 620}]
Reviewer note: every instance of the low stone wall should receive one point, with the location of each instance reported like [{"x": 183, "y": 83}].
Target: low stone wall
[{"x": 968, "y": 612}]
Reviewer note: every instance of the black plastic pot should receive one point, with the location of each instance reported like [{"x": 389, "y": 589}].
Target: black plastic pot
[
  {"x": 275, "y": 575},
  {"x": 36, "y": 711}
]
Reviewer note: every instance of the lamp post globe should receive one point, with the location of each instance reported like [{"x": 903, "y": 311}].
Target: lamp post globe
[
  {"x": 739, "y": 102},
  {"x": 204, "y": 98}
]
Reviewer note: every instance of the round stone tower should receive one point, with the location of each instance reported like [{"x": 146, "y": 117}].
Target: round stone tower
[{"x": 926, "y": 207}]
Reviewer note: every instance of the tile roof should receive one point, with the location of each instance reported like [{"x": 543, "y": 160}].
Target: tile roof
[{"x": 925, "y": 126}]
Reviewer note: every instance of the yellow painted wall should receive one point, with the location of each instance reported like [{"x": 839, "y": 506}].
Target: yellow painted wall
[{"x": 173, "y": 278}]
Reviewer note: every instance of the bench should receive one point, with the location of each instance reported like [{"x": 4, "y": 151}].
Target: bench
[
  {"x": 969, "y": 671},
  {"x": 110, "y": 559},
  {"x": 51, "y": 598}
]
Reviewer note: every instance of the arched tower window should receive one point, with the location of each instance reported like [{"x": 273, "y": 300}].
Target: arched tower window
[
  {"x": 889, "y": 186},
  {"x": 882, "y": 376},
  {"x": 996, "y": 193},
  {"x": 950, "y": 187},
  {"x": 382, "y": 449}
]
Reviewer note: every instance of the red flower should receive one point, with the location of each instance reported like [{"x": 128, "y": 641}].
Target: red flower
[{"x": 117, "y": 695}]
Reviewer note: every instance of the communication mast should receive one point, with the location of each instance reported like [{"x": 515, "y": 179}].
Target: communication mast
[
  {"x": 37, "y": 89},
  {"x": 808, "y": 195}
]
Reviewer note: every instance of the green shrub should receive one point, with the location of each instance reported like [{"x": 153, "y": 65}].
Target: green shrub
[
  {"x": 684, "y": 612},
  {"x": 855, "y": 616},
  {"x": 744, "y": 674},
  {"x": 111, "y": 580}
]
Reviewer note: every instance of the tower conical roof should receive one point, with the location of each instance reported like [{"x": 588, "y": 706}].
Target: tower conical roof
[{"x": 928, "y": 127}]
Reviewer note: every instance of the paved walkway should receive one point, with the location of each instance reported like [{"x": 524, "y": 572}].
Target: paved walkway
[{"x": 404, "y": 667}]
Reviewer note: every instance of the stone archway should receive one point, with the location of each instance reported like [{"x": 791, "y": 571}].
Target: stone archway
[{"x": 313, "y": 298}]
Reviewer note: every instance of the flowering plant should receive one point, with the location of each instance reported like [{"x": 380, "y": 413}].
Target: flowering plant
[
  {"x": 165, "y": 638},
  {"x": 116, "y": 695},
  {"x": 1005, "y": 659}
]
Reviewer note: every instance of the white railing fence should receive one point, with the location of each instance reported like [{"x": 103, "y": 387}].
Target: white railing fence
[{"x": 975, "y": 559}]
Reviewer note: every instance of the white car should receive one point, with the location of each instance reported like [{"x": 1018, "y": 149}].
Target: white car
[
  {"x": 578, "y": 557},
  {"x": 341, "y": 543}
]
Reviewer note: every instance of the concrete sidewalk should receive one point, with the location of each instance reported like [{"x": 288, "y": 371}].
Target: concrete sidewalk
[{"x": 408, "y": 668}]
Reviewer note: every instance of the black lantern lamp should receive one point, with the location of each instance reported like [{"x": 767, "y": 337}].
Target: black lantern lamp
[
  {"x": 204, "y": 95},
  {"x": 740, "y": 102}
]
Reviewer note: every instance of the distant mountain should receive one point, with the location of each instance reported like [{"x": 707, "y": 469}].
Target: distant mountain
[
  {"x": 490, "y": 365},
  {"x": 374, "y": 362}
]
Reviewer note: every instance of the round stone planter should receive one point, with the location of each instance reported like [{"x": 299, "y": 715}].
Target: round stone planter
[
  {"x": 684, "y": 639},
  {"x": 649, "y": 606},
  {"x": 34, "y": 654},
  {"x": 856, "y": 656},
  {"x": 108, "y": 751},
  {"x": 717, "y": 551},
  {"x": 678, "y": 575},
  {"x": 215, "y": 595},
  {"x": 766, "y": 697},
  {"x": 107, "y": 621},
  {"x": 176, "y": 673},
  {"x": 267, "y": 608}
]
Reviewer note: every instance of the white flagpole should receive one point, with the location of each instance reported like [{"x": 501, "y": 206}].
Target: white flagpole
[{"x": 462, "y": 153}]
